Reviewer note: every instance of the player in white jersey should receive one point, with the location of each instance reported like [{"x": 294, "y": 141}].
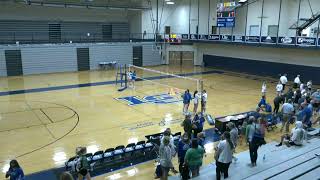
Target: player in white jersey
[
  {"x": 279, "y": 88},
  {"x": 264, "y": 88},
  {"x": 196, "y": 100},
  {"x": 204, "y": 99}
]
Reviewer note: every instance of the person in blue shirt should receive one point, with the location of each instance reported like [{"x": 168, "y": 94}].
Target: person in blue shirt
[
  {"x": 186, "y": 101},
  {"x": 183, "y": 146},
  {"x": 15, "y": 172},
  {"x": 198, "y": 123},
  {"x": 133, "y": 78},
  {"x": 307, "y": 111},
  {"x": 262, "y": 101}
]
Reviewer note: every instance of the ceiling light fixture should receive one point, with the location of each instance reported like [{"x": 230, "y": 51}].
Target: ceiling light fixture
[{"x": 170, "y": 2}]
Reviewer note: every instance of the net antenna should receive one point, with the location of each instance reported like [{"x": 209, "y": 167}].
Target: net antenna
[{"x": 175, "y": 84}]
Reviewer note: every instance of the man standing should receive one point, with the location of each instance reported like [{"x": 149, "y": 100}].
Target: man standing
[
  {"x": 287, "y": 111},
  {"x": 186, "y": 101},
  {"x": 279, "y": 88},
  {"x": 277, "y": 101},
  {"x": 283, "y": 80},
  {"x": 297, "y": 82}
]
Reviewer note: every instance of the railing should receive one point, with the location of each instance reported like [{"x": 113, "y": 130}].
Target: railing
[
  {"x": 32, "y": 38},
  {"x": 45, "y": 37}
]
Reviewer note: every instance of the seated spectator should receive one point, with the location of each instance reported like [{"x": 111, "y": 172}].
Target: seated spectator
[
  {"x": 194, "y": 157},
  {"x": 15, "y": 172},
  {"x": 295, "y": 138},
  {"x": 183, "y": 146}
]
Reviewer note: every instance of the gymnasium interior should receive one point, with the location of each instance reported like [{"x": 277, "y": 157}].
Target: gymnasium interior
[{"x": 111, "y": 76}]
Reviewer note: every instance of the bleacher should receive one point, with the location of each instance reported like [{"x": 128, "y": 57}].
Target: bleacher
[
  {"x": 111, "y": 159},
  {"x": 280, "y": 163}
]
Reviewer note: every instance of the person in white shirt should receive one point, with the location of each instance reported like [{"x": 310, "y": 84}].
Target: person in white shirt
[
  {"x": 298, "y": 134},
  {"x": 296, "y": 82},
  {"x": 223, "y": 155},
  {"x": 279, "y": 88},
  {"x": 264, "y": 88},
  {"x": 204, "y": 100},
  {"x": 196, "y": 100},
  {"x": 287, "y": 111},
  {"x": 309, "y": 85},
  {"x": 301, "y": 86},
  {"x": 283, "y": 80}
]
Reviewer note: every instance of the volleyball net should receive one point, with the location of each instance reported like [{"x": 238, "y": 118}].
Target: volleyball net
[{"x": 160, "y": 81}]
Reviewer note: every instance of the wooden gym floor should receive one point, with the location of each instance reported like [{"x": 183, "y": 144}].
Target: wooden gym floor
[{"x": 42, "y": 127}]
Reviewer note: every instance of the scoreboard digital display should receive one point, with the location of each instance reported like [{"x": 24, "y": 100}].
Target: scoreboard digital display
[{"x": 226, "y": 14}]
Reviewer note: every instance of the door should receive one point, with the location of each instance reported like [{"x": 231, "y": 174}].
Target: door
[
  {"x": 137, "y": 55},
  {"x": 106, "y": 32},
  {"x": 181, "y": 58},
  {"x": 54, "y": 32},
  {"x": 13, "y": 62},
  {"x": 167, "y": 30},
  {"x": 83, "y": 59}
]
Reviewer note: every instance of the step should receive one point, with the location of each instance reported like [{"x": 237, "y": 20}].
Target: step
[{"x": 314, "y": 174}]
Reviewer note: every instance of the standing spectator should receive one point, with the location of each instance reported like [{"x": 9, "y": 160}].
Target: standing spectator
[
  {"x": 297, "y": 96},
  {"x": 183, "y": 146},
  {"x": 165, "y": 157},
  {"x": 264, "y": 88},
  {"x": 82, "y": 164},
  {"x": 279, "y": 88},
  {"x": 223, "y": 156},
  {"x": 201, "y": 138},
  {"x": 194, "y": 157},
  {"x": 187, "y": 125},
  {"x": 198, "y": 123},
  {"x": 168, "y": 133},
  {"x": 186, "y": 101},
  {"x": 262, "y": 101},
  {"x": 15, "y": 172},
  {"x": 257, "y": 139},
  {"x": 196, "y": 100},
  {"x": 283, "y": 80},
  {"x": 204, "y": 100},
  {"x": 233, "y": 134},
  {"x": 289, "y": 94},
  {"x": 296, "y": 82},
  {"x": 309, "y": 85},
  {"x": 296, "y": 138},
  {"x": 287, "y": 111}
]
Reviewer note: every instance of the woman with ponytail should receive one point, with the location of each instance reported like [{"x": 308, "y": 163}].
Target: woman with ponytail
[{"x": 223, "y": 155}]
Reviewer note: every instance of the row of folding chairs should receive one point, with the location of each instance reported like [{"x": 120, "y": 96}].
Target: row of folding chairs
[{"x": 120, "y": 156}]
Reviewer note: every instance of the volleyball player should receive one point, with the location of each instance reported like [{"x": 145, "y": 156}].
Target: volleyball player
[
  {"x": 129, "y": 77},
  {"x": 204, "y": 99},
  {"x": 196, "y": 99},
  {"x": 133, "y": 78}
]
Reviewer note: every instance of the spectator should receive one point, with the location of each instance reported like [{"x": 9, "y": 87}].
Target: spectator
[
  {"x": 186, "y": 101},
  {"x": 82, "y": 165},
  {"x": 198, "y": 124},
  {"x": 223, "y": 155},
  {"x": 289, "y": 94},
  {"x": 233, "y": 134},
  {"x": 264, "y": 88},
  {"x": 187, "y": 125},
  {"x": 309, "y": 85},
  {"x": 255, "y": 134},
  {"x": 15, "y": 172},
  {"x": 194, "y": 157},
  {"x": 296, "y": 82},
  {"x": 165, "y": 157},
  {"x": 297, "y": 96},
  {"x": 307, "y": 115},
  {"x": 168, "y": 133},
  {"x": 262, "y": 101},
  {"x": 183, "y": 146},
  {"x": 196, "y": 100},
  {"x": 201, "y": 139},
  {"x": 66, "y": 176},
  {"x": 287, "y": 111},
  {"x": 296, "y": 138},
  {"x": 302, "y": 86},
  {"x": 204, "y": 100},
  {"x": 250, "y": 129},
  {"x": 283, "y": 80},
  {"x": 279, "y": 88},
  {"x": 243, "y": 128}
]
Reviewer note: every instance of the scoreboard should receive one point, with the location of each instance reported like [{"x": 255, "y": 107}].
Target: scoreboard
[{"x": 226, "y": 14}]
